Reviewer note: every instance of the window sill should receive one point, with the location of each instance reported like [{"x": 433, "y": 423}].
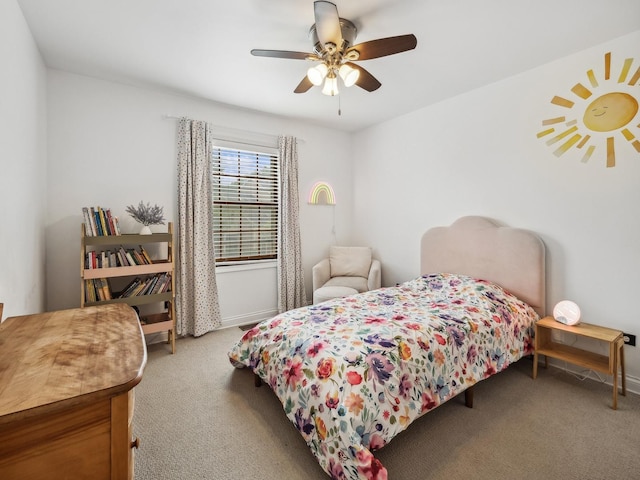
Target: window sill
[{"x": 239, "y": 267}]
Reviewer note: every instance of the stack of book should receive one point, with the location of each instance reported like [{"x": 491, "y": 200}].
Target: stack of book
[
  {"x": 99, "y": 222},
  {"x": 159, "y": 283},
  {"x": 117, "y": 258},
  {"x": 97, "y": 289}
]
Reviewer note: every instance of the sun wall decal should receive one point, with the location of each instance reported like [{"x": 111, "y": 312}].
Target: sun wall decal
[{"x": 597, "y": 122}]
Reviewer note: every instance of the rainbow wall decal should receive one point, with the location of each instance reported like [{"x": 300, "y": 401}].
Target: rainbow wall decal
[{"x": 322, "y": 194}]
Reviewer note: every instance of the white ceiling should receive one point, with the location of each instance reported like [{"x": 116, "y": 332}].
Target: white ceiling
[{"x": 201, "y": 47}]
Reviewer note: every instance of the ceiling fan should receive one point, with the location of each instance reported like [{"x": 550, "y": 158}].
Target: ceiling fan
[{"x": 333, "y": 39}]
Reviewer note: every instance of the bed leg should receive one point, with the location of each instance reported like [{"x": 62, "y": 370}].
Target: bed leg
[
  {"x": 468, "y": 397},
  {"x": 257, "y": 381}
]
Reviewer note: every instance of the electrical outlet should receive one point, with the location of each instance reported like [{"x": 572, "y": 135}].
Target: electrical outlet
[{"x": 629, "y": 339}]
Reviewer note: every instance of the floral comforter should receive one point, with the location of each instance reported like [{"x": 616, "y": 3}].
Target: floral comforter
[{"x": 353, "y": 372}]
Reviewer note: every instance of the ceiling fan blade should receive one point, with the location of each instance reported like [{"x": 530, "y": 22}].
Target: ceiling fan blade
[
  {"x": 384, "y": 46},
  {"x": 304, "y": 85},
  {"x": 327, "y": 23},
  {"x": 365, "y": 80},
  {"x": 283, "y": 54}
]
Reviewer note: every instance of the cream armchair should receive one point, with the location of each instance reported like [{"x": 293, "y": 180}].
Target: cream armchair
[{"x": 347, "y": 271}]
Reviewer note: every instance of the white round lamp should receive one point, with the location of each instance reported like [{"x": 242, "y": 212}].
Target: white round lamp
[{"x": 567, "y": 312}]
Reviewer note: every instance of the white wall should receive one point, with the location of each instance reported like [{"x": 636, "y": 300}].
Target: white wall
[
  {"x": 478, "y": 154},
  {"x": 110, "y": 145},
  {"x": 22, "y": 165}
]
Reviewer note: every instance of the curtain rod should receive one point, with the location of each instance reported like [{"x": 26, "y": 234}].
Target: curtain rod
[{"x": 235, "y": 130}]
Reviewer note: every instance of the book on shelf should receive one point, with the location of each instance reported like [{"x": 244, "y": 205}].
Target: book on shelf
[
  {"x": 137, "y": 291},
  {"x": 126, "y": 291},
  {"x": 117, "y": 258},
  {"x": 130, "y": 258},
  {"x": 105, "y": 288},
  {"x": 89, "y": 292},
  {"x": 137, "y": 257},
  {"x": 166, "y": 284},
  {"x": 97, "y": 289},
  {"x": 99, "y": 221},
  {"x": 122, "y": 255},
  {"x": 146, "y": 255},
  {"x": 96, "y": 222},
  {"x": 113, "y": 223},
  {"x": 158, "y": 285},
  {"x": 103, "y": 224},
  {"x": 88, "y": 260},
  {"x": 89, "y": 229},
  {"x": 151, "y": 285},
  {"x": 154, "y": 284}
]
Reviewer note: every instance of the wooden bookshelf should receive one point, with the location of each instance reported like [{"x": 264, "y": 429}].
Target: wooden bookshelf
[{"x": 153, "y": 323}]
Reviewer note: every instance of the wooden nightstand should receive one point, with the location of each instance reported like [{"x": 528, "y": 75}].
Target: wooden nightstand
[{"x": 544, "y": 345}]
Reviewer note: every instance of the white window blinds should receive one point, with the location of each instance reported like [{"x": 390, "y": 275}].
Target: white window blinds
[{"x": 245, "y": 204}]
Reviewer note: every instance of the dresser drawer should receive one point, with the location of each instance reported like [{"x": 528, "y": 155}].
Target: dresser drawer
[{"x": 73, "y": 443}]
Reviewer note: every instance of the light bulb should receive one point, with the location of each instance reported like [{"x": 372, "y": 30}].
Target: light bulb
[
  {"x": 349, "y": 75},
  {"x": 330, "y": 86},
  {"x": 316, "y": 74}
]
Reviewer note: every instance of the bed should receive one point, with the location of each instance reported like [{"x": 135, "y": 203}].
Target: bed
[{"x": 354, "y": 372}]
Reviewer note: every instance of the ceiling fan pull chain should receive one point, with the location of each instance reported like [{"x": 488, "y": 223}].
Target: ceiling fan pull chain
[{"x": 339, "y": 109}]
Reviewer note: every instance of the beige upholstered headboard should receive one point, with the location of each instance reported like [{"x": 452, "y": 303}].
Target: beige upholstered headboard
[{"x": 479, "y": 247}]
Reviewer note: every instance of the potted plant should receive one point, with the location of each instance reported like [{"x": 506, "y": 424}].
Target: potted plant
[{"x": 146, "y": 215}]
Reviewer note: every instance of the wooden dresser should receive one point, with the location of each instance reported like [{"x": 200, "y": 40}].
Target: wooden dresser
[{"x": 66, "y": 393}]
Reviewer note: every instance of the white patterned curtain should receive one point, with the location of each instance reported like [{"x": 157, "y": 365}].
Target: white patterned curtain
[
  {"x": 290, "y": 272},
  {"x": 198, "y": 310}
]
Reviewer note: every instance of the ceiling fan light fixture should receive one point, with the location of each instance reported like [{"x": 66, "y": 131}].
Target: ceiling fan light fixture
[
  {"x": 317, "y": 74},
  {"x": 335, "y": 49},
  {"x": 330, "y": 86},
  {"x": 348, "y": 74}
]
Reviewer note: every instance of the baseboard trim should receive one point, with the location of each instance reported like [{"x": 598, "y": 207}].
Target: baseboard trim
[
  {"x": 633, "y": 383},
  {"x": 247, "y": 319},
  {"x": 227, "y": 322}
]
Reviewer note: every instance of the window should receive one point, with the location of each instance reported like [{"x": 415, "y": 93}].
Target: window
[{"x": 245, "y": 204}]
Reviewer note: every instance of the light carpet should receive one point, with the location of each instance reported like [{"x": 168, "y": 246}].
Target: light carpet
[{"x": 197, "y": 417}]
